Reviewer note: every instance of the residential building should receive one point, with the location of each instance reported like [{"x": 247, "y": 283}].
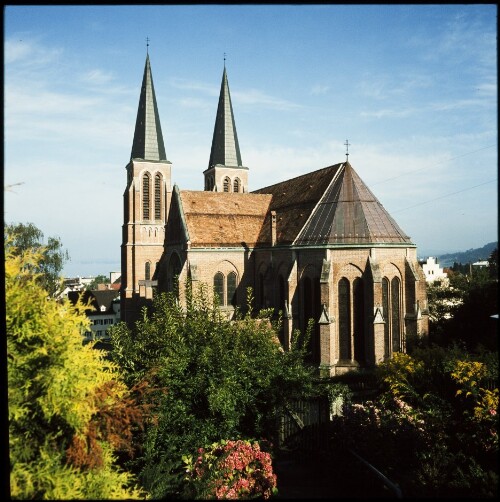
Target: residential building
[{"x": 434, "y": 273}]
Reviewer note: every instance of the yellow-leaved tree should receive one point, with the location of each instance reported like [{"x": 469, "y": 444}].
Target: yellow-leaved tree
[{"x": 67, "y": 407}]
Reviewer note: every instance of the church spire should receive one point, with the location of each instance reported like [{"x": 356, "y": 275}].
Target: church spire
[
  {"x": 148, "y": 138},
  {"x": 225, "y": 147}
]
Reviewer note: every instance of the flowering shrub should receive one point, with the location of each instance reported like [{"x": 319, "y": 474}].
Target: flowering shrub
[{"x": 230, "y": 470}]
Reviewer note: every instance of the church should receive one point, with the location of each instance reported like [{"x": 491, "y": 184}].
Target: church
[{"x": 319, "y": 246}]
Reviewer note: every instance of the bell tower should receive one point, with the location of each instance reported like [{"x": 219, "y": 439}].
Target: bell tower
[
  {"x": 146, "y": 202},
  {"x": 225, "y": 172}
]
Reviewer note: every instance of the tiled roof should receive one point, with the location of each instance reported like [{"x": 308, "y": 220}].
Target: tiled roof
[
  {"x": 225, "y": 147},
  {"x": 148, "y": 139},
  {"x": 218, "y": 219}
]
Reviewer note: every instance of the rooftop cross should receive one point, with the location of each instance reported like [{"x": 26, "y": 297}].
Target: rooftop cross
[
  {"x": 147, "y": 45},
  {"x": 347, "y": 150},
  {"x": 224, "y": 59}
]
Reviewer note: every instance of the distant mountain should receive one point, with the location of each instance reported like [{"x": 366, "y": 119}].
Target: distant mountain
[{"x": 470, "y": 256}]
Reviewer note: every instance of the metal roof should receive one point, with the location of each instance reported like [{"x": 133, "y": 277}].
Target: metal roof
[
  {"x": 148, "y": 139},
  {"x": 225, "y": 147},
  {"x": 349, "y": 213}
]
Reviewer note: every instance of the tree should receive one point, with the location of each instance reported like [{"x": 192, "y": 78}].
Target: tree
[
  {"x": 223, "y": 380},
  {"x": 100, "y": 279},
  {"x": 23, "y": 238},
  {"x": 69, "y": 413},
  {"x": 493, "y": 264}
]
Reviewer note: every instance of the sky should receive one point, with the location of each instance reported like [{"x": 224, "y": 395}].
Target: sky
[{"x": 412, "y": 88}]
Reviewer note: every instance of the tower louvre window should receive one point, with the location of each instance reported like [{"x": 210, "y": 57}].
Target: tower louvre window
[
  {"x": 227, "y": 184},
  {"x": 157, "y": 197},
  {"x": 147, "y": 271},
  {"x": 236, "y": 185},
  {"x": 145, "y": 196}
]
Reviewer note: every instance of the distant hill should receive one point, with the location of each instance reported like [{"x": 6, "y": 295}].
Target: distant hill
[{"x": 470, "y": 256}]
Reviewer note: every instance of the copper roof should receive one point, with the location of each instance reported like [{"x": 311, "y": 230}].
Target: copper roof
[
  {"x": 225, "y": 147},
  {"x": 331, "y": 206},
  {"x": 218, "y": 219},
  {"x": 148, "y": 138}
]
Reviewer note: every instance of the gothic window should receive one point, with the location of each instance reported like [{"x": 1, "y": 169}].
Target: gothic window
[
  {"x": 145, "y": 196},
  {"x": 147, "y": 271},
  {"x": 231, "y": 288},
  {"x": 157, "y": 197},
  {"x": 358, "y": 301},
  {"x": 344, "y": 319},
  {"x": 227, "y": 184},
  {"x": 385, "y": 307},
  {"x": 219, "y": 287},
  {"x": 236, "y": 185},
  {"x": 395, "y": 315}
]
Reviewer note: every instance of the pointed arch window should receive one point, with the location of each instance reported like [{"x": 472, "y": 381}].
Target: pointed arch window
[
  {"x": 157, "y": 196},
  {"x": 344, "y": 319},
  {"x": 236, "y": 185},
  {"x": 219, "y": 287},
  {"x": 385, "y": 307},
  {"x": 358, "y": 300},
  {"x": 231, "y": 288},
  {"x": 227, "y": 184},
  {"x": 147, "y": 271},
  {"x": 146, "y": 181},
  {"x": 395, "y": 315}
]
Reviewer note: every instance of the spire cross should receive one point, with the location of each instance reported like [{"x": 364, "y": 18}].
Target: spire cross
[
  {"x": 147, "y": 45},
  {"x": 224, "y": 59},
  {"x": 347, "y": 149}
]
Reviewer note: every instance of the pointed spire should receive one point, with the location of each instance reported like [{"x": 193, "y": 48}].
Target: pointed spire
[
  {"x": 148, "y": 138},
  {"x": 225, "y": 147}
]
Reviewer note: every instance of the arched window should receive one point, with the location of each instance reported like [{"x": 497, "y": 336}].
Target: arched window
[
  {"x": 157, "y": 197},
  {"x": 344, "y": 319},
  {"x": 395, "y": 315},
  {"x": 147, "y": 271},
  {"x": 358, "y": 301},
  {"x": 227, "y": 184},
  {"x": 145, "y": 196},
  {"x": 236, "y": 185},
  {"x": 219, "y": 287},
  {"x": 231, "y": 288},
  {"x": 386, "y": 311}
]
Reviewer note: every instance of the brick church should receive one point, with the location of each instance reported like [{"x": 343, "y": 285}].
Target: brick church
[{"x": 317, "y": 246}]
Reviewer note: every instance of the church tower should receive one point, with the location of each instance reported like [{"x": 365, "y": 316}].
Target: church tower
[
  {"x": 225, "y": 172},
  {"x": 146, "y": 201}
]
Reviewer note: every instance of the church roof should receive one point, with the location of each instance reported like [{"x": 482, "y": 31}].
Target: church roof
[
  {"x": 148, "y": 139},
  {"x": 331, "y": 206},
  {"x": 218, "y": 219},
  {"x": 225, "y": 147}
]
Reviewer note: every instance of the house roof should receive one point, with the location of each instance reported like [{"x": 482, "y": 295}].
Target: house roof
[
  {"x": 331, "y": 206},
  {"x": 96, "y": 298},
  {"x": 148, "y": 139},
  {"x": 218, "y": 219},
  {"x": 225, "y": 147}
]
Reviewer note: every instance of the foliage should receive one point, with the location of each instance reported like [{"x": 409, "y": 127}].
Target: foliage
[
  {"x": 27, "y": 238},
  {"x": 69, "y": 414},
  {"x": 222, "y": 378},
  {"x": 100, "y": 279},
  {"x": 437, "y": 417},
  {"x": 229, "y": 470}
]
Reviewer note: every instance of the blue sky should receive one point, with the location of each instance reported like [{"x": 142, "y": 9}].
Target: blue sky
[{"x": 412, "y": 87}]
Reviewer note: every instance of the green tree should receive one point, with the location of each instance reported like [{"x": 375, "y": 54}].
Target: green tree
[
  {"x": 493, "y": 264},
  {"x": 222, "y": 379},
  {"x": 23, "y": 238},
  {"x": 69, "y": 414},
  {"x": 100, "y": 279}
]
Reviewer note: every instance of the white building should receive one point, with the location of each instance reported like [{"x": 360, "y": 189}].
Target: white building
[{"x": 433, "y": 272}]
